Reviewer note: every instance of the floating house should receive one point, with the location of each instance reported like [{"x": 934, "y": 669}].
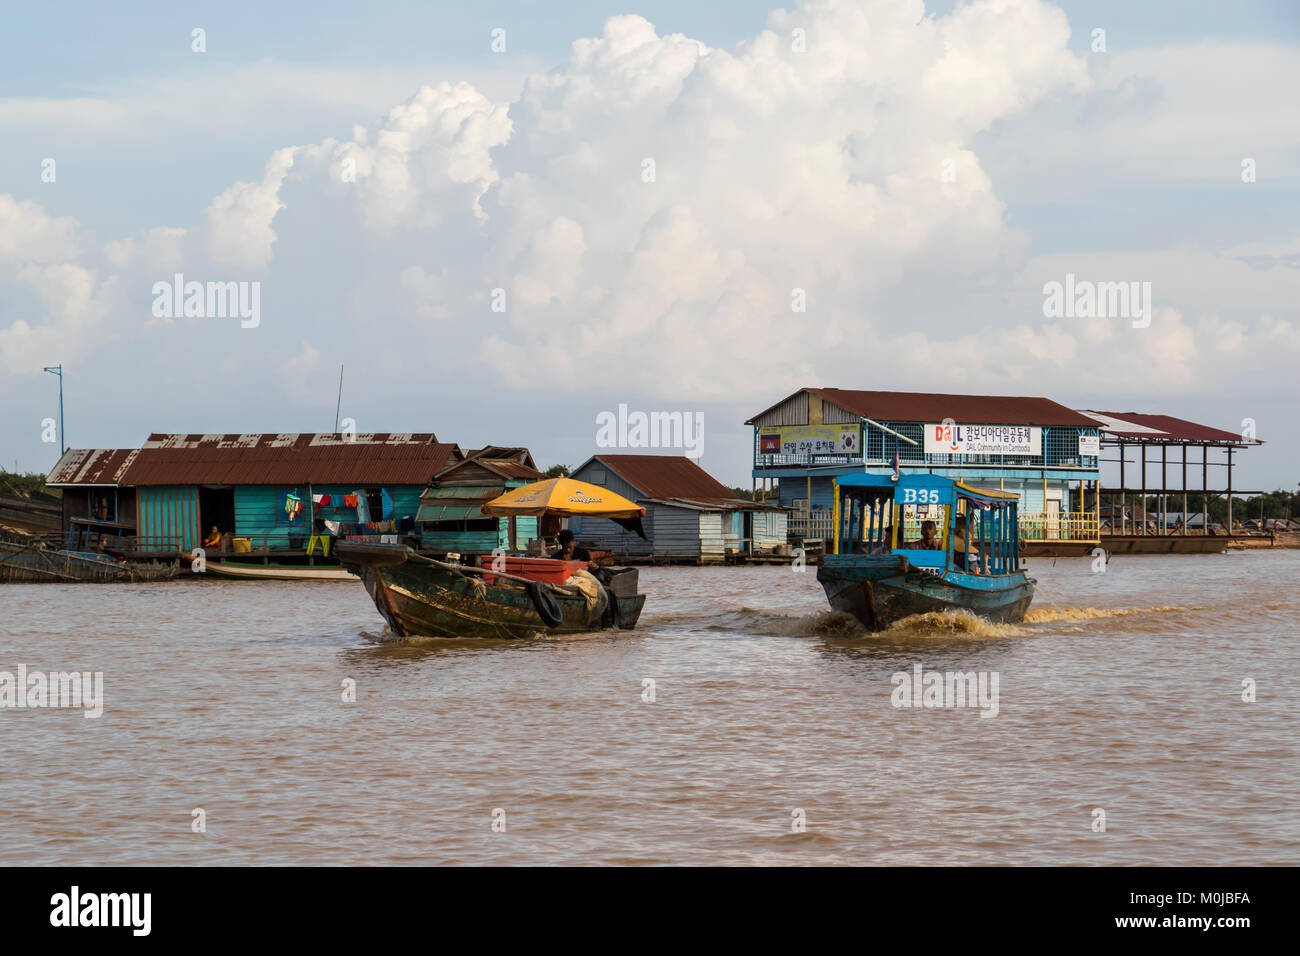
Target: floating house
[
  {"x": 690, "y": 515},
  {"x": 96, "y": 507},
  {"x": 265, "y": 493},
  {"x": 1044, "y": 452},
  {"x": 450, "y": 518}
]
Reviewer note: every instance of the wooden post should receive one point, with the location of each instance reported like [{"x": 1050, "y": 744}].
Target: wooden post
[
  {"x": 1184, "y": 529},
  {"x": 1123, "y": 456},
  {"x": 835, "y": 511},
  {"x": 1164, "y": 487},
  {"x": 311, "y": 523},
  {"x": 1097, "y": 502},
  {"x": 1229, "y": 489},
  {"x": 1142, "y": 490},
  {"x": 1205, "y": 497}
]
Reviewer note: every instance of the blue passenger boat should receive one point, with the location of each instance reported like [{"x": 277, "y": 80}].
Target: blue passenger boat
[{"x": 922, "y": 543}]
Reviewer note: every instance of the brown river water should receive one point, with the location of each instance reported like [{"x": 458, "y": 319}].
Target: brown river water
[{"x": 1122, "y": 691}]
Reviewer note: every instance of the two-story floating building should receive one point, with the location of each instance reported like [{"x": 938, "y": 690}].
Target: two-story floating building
[{"x": 1044, "y": 452}]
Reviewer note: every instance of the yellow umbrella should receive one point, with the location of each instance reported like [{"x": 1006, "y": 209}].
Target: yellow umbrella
[{"x": 567, "y": 497}]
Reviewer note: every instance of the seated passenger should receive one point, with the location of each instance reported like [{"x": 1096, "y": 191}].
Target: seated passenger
[
  {"x": 929, "y": 540},
  {"x": 959, "y": 543},
  {"x": 569, "y": 550}
]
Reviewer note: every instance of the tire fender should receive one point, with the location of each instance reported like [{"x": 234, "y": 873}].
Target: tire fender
[{"x": 544, "y": 602}]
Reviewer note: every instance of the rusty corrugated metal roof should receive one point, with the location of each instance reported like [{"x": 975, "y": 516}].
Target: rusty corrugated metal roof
[
  {"x": 91, "y": 466},
  {"x": 510, "y": 469},
  {"x": 287, "y": 440},
  {"x": 715, "y": 504},
  {"x": 1157, "y": 427},
  {"x": 289, "y": 459},
  {"x": 667, "y": 476},
  {"x": 935, "y": 407}
]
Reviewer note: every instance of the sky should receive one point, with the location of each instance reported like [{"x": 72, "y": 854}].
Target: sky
[{"x": 504, "y": 219}]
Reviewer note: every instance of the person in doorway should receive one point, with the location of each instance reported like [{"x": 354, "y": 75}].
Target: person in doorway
[
  {"x": 570, "y": 550},
  {"x": 213, "y": 540}
]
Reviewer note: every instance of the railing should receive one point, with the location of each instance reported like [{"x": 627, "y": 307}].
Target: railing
[
  {"x": 1034, "y": 526},
  {"x": 1059, "y": 449},
  {"x": 811, "y": 525},
  {"x": 152, "y": 543},
  {"x": 1058, "y": 526}
]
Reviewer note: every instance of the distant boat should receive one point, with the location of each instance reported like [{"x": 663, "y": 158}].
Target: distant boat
[
  {"x": 876, "y": 575},
  {"x": 278, "y": 572},
  {"x": 25, "y": 560}
]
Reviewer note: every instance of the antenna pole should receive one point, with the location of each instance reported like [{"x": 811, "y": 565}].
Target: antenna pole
[
  {"x": 58, "y": 370},
  {"x": 339, "y": 404}
]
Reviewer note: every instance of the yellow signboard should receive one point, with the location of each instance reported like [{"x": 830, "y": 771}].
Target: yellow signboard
[{"x": 810, "y": 440}]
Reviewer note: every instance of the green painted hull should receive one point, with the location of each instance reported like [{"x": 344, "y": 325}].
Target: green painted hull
[{"x": 421, "y": 599}]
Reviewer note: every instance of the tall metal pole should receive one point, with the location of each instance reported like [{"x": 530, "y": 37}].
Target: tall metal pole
[
  {"x": 339, "y": 404},
  {"x": 58, "y": 370}
]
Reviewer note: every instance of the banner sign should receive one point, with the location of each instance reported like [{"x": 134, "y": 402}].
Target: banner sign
[
  {"x": 1089, "y": 445},
  {"x": 810, "y": 440},
  {"x": 949, "y": 439}
]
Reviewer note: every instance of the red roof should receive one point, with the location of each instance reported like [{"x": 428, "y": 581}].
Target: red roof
[
  {"x": 91, "y": 466},
  {"x": 667, "y": 476},
  {"x": 1169, "y": 429},
  {"x": 935, "y": 407},
  {"x": 288, "y": 459}
]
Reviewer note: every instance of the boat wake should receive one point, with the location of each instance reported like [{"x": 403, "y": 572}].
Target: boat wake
[
  {"x": 948, "y": 624},
  {"x": 958, "y": 622},
  {"x": 836, "y": 624},
  {"x": 1053, "y": 615}
]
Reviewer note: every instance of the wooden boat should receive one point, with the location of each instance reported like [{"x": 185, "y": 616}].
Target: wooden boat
[
  {"x": 874, "y": 574},
  {"x": 421, "y": 597},
  {"x": 278, "y": 572},
  {"x": 27, "y": 560}
]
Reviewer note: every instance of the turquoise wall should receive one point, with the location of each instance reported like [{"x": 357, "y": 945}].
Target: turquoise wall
[
  {"x": 167, "y": 516},
  {"x": 255, "y": 510},
  {"x": 485, "y": 541}
]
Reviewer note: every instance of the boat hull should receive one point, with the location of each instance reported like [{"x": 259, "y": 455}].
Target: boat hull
[
  {"x": 879, "y": 590},
  {"x": 428, "y": 599},
  {"x": 31, "y": 562},
  {"x": 274, "y": 572}
]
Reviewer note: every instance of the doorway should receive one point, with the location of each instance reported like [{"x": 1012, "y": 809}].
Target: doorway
[{"x": 217, "y": 507}]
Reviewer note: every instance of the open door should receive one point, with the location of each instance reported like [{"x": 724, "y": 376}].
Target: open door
[{"x": 217, "y": 507}]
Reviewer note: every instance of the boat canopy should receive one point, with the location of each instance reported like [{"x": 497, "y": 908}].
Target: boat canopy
[
  {"x": 567, "y": 497},
  {"x": 878, "y": 514},
  {"x": 983, "y": 497}
]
